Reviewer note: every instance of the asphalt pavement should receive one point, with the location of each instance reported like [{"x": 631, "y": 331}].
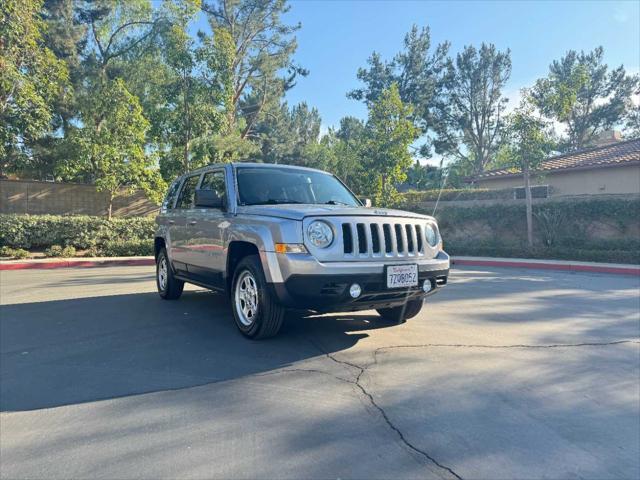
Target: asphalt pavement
[{"x": 506, "y": 373}]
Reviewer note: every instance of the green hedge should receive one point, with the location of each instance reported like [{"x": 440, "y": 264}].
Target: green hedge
[
  {"x": 562, "y": 230},
  {"x": 450, "y": 194},
  {"x": 82, "y": 232}
]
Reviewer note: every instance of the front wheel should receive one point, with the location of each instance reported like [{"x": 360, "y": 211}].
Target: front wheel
[
  {"x": 255, "y": 311},
  {"x": 402, "y": 313}
]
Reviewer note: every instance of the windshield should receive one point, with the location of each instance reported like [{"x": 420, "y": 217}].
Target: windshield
[{"x": 272, "y": 186}]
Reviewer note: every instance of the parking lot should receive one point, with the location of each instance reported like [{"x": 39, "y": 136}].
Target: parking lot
[{"x": 506, "y": 373}]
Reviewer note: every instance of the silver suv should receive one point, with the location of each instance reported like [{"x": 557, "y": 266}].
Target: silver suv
[{"x": 275, "y": 237}]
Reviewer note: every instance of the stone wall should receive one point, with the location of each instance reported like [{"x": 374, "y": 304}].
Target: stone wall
[{"x": 32, "y": 197}]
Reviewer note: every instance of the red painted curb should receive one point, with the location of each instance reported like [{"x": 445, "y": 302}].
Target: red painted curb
[
  {"x": 550, "y": 266},
  {"x": 76, "y": 263}
]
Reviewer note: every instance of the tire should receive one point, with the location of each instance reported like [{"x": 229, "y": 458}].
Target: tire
[
  {"x": 169, "y": 287},
  {"x": 256, "y": 313},
  {"x": 402, "y": 313}
]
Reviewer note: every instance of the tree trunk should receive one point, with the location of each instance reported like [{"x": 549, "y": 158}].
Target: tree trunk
[
  {"x": 527, "y": 194},
  {"x": 110, "y": 209}
]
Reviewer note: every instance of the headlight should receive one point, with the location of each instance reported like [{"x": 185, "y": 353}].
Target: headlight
[
  {"x": 432, "y": 234},
  {"x": 320, "y": 234}
]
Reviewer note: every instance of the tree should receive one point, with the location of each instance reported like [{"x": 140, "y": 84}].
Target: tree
[
  {"x": 530, "y": 141},
  {"x": 470, "y": 116},
  {"x": 286, "y": 133},
  {"x": 262, "y": 47},
  {"x": 32, "y": 78},
  {"x": 418, "y": 73},
  {"x": 632, "y": 125},
  {"x": 110, "y": 152},
  {"x": 193, "y": 93},
  {"x": 581, "y": 93},
  {"x": 389, "y": 132}
]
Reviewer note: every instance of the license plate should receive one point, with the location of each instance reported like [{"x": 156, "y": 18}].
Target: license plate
[{"x": 399, "y": 276}]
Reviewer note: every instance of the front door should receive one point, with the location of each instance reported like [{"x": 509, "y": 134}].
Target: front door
[{"x": 207, "y": 227}]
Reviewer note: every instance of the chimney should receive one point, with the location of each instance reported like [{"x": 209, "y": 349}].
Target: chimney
[{"x": 607, "y": 137}]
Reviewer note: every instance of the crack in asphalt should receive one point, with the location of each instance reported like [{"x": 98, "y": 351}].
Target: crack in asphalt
[
  {"x": 383, "y": 413},
  {"x": 362, "y": 369}
]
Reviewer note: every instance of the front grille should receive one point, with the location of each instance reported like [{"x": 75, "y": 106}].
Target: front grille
[{"x": 377, "y": 239}]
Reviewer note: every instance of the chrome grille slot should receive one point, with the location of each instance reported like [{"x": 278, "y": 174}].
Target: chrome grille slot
[
  {"x": 419, "y": 238},
  {"x": 375, "y": 237},
  {"x": 399, "y": 238},
  {"x": 348, "y": 238},
  {"x": 409, "y": 230},
  {"x": 388, "y": 245},
  {"x": 362, "y": 238}
]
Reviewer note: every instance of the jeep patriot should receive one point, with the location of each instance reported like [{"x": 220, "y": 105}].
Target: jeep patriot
[{"x": 275, "y": 237}]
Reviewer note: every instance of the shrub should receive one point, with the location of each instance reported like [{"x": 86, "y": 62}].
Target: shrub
[
  {"x": 128, "y": 248},
  {"x": 68, "y": 252},
  {"x": 53, "y": 251},
  {"x": 44, "y": 231},
  {"x": 18, "y": 253}
]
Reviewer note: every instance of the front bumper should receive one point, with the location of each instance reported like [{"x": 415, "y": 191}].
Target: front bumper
[{"x": 304, "y": 283}]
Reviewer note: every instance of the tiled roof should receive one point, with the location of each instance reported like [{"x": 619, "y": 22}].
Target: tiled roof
[{"x": 615, "y": 154}]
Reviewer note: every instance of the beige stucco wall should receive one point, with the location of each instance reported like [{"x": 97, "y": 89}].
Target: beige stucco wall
[
  {"x": 579, "y": 182},
  {"x": 24, "y": 196}
]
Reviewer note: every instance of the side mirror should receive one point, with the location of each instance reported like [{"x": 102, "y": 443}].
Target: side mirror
[
  {"x": 208, "y": 199},
  {"x": 367, "y": 202}
]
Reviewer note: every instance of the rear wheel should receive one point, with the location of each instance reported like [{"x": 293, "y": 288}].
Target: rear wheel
[
  {"x": 255, "y": 311},
  {"x": 169, "y": 287},
  {"x": 402, "y": 313}
]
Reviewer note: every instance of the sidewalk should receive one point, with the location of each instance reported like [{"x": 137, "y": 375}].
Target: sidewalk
[
  {"x": 47, "y": 263},
  {"x": 565, "y": 265}
]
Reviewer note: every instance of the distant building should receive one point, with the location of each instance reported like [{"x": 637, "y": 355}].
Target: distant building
[{"x": 612, "y": 168}]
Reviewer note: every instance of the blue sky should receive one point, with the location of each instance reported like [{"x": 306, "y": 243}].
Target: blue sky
[{"x": 337, "y": 37}]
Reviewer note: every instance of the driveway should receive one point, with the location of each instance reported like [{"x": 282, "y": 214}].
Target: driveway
[{"x": 505, "y": 374}]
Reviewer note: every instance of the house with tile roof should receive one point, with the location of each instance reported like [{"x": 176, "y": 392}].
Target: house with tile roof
[{"x": 613, "y": 168}]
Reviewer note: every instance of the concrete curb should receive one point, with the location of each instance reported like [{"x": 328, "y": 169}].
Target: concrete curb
[
  {"x": 72, "y": 262},
  {"x": 562, "y": 265},
  {"x": 588, "y": 267}
]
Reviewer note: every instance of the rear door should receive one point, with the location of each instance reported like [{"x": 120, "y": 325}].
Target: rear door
[
  {"x": 207, "y": 228},
  {"x": 181, "y": 255}
]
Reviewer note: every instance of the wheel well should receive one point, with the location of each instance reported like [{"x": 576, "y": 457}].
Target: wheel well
[
  {"x": 237, "y": 251},
  {"x": 158, "y": 244}
]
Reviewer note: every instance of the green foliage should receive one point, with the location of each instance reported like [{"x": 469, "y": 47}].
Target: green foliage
[
  {"x": 470, "y": 121},
  {"x": 581, "y": 93},
  {"x": 413, "y": 197},
  {"x": 565, "y": 230},
  {"x": 110, "y": 147},
  {"x": 128, "y": 248},
  {"x": 82, "y": 232},
  {"x": 388, "y": 134},
  {"x": 58, "y": 251},
  {"x": 31, "y": 80},
  {"x": 419, "y": 74},
  {"x": 17, "y": 253}
]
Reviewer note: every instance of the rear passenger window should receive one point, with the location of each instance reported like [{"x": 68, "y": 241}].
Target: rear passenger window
[
  {"x": 172, "y": 193},
  {"x": 214, "y": 181},
  {"x": 188, "y": 192}
]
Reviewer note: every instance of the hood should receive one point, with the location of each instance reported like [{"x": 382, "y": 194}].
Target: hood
[{"x": 298, "y": 212}]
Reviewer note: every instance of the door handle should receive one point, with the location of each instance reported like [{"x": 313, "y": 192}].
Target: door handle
[
  {"x": 171, "y": 222},
  {"x": 192, "y": 222}
]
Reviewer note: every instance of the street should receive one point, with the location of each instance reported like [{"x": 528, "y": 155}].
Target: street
[{"x": 506, "y": 373}]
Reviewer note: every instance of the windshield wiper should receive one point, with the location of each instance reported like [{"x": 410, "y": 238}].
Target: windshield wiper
[
  {"x": 336, "y": 202},
  {"x": 271, "y": 201}
]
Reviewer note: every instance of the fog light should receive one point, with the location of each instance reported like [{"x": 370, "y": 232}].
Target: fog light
[
  {"x": 355, "y": 290},
  {"x": 426, "y": 286}
]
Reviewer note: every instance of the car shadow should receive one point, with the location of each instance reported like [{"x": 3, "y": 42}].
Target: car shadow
[{"x": 80, "y": 350}]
